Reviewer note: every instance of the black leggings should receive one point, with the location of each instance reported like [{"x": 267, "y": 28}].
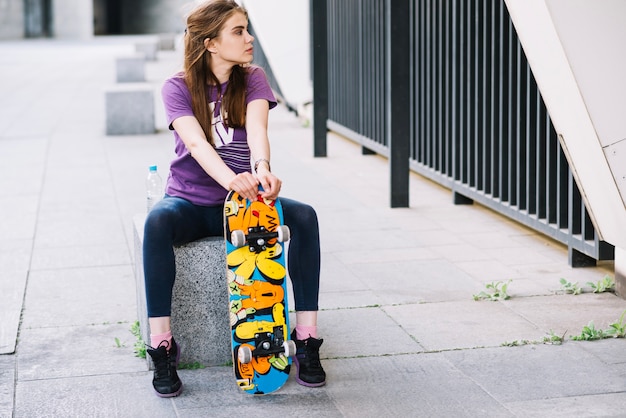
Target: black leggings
[{"x": 174, "y": 221}]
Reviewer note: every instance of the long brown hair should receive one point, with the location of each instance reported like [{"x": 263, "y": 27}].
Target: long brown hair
[{"x": 207, "y": 21}]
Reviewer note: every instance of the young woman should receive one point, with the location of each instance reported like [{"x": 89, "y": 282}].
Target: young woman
[{"x": 218, "y": 110}]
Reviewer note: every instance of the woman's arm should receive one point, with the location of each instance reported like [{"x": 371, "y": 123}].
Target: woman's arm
[
  {"x": 256, "y": 127},
  {"x": 191, "y": 133}
]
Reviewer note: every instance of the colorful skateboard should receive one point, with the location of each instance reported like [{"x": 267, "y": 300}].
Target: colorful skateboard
[{"x": 257, "y": 287}]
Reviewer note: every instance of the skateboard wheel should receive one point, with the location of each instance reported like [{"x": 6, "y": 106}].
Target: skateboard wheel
[
  {"x": 284, "y": 234},
  {"x": 244, "y": 355},
  {"x": 238, "y": 238},
  {"x": 290, "y": 348}
]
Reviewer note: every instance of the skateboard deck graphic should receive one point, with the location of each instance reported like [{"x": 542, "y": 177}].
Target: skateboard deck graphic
[{"x": 256, "y": 274}]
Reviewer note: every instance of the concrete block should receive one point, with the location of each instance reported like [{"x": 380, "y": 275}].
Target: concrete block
[
  {"x": 130, "y": 109},
  {"x": 167, "y": 41},
  {"x": 200, "y": 320},
  {"x": 148, "y": 48},
  {"x": 131, "y": 68}
]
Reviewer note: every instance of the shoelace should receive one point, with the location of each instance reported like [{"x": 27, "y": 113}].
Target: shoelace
[
  {"x": 163, "y": 366},
  {"x": 313, "y": 358}
]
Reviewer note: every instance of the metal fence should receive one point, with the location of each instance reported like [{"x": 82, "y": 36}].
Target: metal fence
[{"x": 477, "y": 121}]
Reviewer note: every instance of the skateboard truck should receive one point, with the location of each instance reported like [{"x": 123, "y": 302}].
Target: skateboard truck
[
  {"x": 257, "y": 237},
  {"x": 267, "y": 344}
]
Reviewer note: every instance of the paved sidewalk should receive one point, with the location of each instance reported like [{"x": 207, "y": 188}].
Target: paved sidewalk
[{"x": 403, "y": 335}]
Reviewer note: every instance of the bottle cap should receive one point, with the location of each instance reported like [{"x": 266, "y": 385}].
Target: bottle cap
[{"x": 153, "y": 168}]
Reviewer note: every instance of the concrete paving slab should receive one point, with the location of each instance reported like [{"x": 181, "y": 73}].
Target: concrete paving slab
[
  {"x": 340, "y": 288},
  {"x": 523, "y": 287},
  {"x": 609, "y": 351},
  {"x": 7, "y": 385},
  {"x": 26, "y": 174},
  {"x": 12, "y": 290},
  {"x": 15, "y": 255},
  {"x": 94, "y": 228},
  {"x": 418, "y": 385},
  {"x": 363, "y": 332},
  {"x": 462, "y": 324},
  {"x": 460, "y": 253},
  {"x": 19, "y": 217},
  {"x": 487, "y": 271},
  {"x": 336, "y": 276},
  {"x": 416, "y": 281},
  {"x": 568, "y": 313},
  {"x": 604, "y": 405},
  {"x": 348, "y": 299},
  {"x": 14, "y": 262},
  {"x": 394, "y": 255},
  {"x": 538, "y": 372},
  {"x": 213, "y": 392},
  {"x": 80, "y": 296},
  {"x": 80, "y": 256},
  {"x": 109, "y": 395},
  {"x": 47, "y": 354}
]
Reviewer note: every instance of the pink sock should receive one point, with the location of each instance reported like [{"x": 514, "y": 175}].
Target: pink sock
[
  {"x": 156, "y": 340},
  {"x": 303, "y": 332}
]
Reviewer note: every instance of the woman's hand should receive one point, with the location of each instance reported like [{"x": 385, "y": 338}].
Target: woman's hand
[
  {"x": 270, "y": 183},
  {"x": 246, "y": 185}
]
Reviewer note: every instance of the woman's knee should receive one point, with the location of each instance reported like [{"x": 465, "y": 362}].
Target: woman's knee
[
  {"x": 162, "y": 217},
  {"x": 301, "y": 214}
]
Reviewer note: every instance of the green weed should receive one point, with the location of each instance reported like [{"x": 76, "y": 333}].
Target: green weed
[
  {"x": 516, "y": 343},
  {"x": 551, "y": 339},
  {"x": 191, "y": 366},
  {"x": 589, "y": 333},
  {"x": 139, "y": 348},
  {"x": 617, "y": 329},
  {"x": 494, "y": 291},
  {"x": 118, "y": 343},
  {"x": 607, "y": 284},
  {"x": 570, "y": 287},
  {"x": 554, "y": 339}
]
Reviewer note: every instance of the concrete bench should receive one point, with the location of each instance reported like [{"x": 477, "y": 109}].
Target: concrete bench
[
  {"x": 167, "y": 41},
  {"x": 130, "y": 109},
  {"x": 130, "y": 69},
  {"x": 200, "y": 321}
]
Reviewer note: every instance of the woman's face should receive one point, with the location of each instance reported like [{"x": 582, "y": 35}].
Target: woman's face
[{"x": 234, "y": 43}]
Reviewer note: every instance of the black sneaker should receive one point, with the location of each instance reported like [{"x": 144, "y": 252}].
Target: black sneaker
[
  {"x": 165, "y": 381},
  {"x": 307, "y": 359}
]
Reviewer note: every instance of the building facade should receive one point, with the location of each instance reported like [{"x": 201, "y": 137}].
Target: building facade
[{"x": 79, "y": 19}]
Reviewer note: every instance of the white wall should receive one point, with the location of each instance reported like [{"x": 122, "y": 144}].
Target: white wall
[
  {"x": 73, "y": 19},
  {"x": 574, "y": 48},
  {"x": 11, "y": 19},
  {"x": 593, "y": 36},
  {"x": 282, "y": 28}
]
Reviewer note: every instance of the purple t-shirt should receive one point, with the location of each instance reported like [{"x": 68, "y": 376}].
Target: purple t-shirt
[{"x": 186, "y": 178}]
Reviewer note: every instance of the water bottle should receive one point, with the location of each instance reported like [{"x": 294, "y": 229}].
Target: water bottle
[{"x": 154, "y": 187}]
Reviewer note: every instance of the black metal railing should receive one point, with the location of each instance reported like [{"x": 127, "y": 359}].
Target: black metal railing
[{"x": 477, "y": 123}]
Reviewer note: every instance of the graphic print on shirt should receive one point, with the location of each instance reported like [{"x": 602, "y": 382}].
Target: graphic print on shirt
[{"x": 222, "y": 135}]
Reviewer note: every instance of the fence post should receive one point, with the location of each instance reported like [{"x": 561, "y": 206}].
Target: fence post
[
  {"x": 320, "y": 75},
  {"x": 399, "y": 99}
]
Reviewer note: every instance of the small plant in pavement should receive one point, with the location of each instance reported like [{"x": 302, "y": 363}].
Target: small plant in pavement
[
  {"x": 494, "y": 291},
  {"x": 139, "y": 348},
  {"x": 554, "y": 339},
  {"x": 607, "y": 284},
  {"x": 196, "y": 365},
  {"x": 570, "y": 287},
  {"x": 589, "y": 333},
  {"x": 617, "y": 329},
  {"x": 551, "y": 339}
]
